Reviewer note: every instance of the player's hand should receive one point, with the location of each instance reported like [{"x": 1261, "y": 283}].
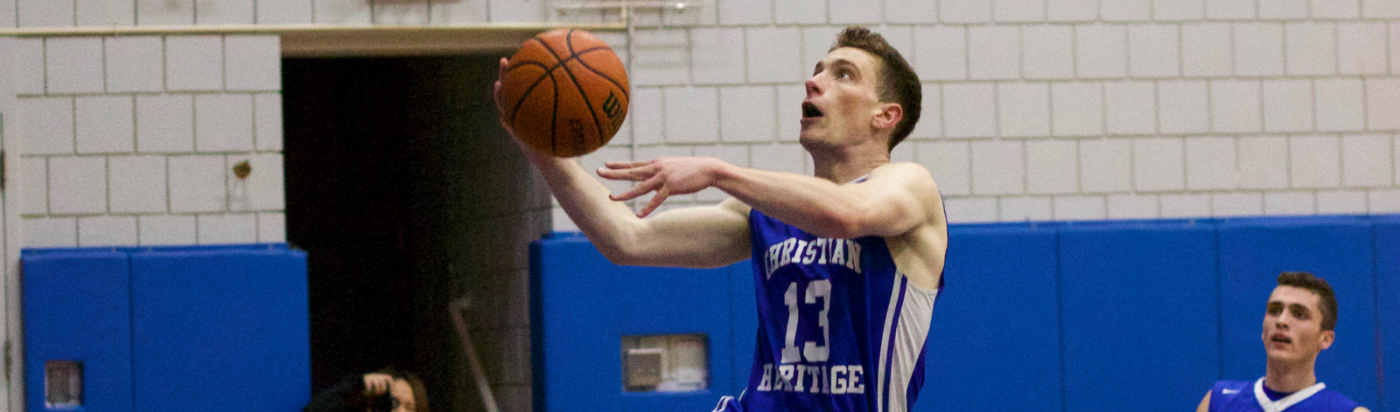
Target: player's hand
[
  {"x": 501, "y": 113},
  {"x": 377, "y": 383},
  {"x": 666, "y": 176},
  {"x": 496, "y": 94}
]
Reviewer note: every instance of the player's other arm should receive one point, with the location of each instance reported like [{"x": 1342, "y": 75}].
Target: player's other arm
[
  {"x": 1205, "y": 404},
  {"x": 893, "y": 200},
  {"x": 706, "y": 236}
]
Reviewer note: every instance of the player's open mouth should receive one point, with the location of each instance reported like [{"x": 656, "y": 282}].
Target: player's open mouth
[
  {"x": 810, "y": 110},
  {"x": 1280, "y": 338}
]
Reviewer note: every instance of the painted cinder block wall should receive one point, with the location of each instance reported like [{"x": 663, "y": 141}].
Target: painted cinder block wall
[{"x": 1033, "y": 110}]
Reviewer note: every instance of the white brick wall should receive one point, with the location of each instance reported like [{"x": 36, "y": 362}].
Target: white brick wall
[
  {"x": 127, "y": 140},
  {"x": 140, "y": 68},
  {"x": 1205, "y": 49},
  {"x": 993, "y": 52},
  {"x": 1047, "y": 52}
]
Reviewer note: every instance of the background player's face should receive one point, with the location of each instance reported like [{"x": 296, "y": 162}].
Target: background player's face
[
  {"x": 841, "y": 97},
  {"x": 403, "y": 393},
  {"x": 1293, "y": 325}
]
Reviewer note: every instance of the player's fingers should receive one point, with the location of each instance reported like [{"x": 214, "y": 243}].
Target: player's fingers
[
  {"x": 661, "y": 195},
  {"x": 505, "y": 65},
  {"x": 639, "y": 189},
  {"x": 635, "y": 174},
  {"x": 624, "y": 165},
  {"x": 496, "y": 96}
]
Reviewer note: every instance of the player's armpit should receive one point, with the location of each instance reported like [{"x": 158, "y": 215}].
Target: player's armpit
[
  {"x": 1205, "y": 404},
  {"x": 694, "y": 237}
]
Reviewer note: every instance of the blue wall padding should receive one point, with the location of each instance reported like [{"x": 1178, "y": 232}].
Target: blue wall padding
[
  {"x": 978, "y": 346},
  {"x": 1387, "y": 235},
  {"x": 588, "y": 304},
  {"x": 226, "y": 328},
  {"x": 744, "y": 323},
  {"x": 1079, "y": 316},
  {"x": 77, "y": 308},
  {"x": 210, "y": 328},
  {"x": 1254, "y": 252},
  {"x": 1138, "y": 310}
]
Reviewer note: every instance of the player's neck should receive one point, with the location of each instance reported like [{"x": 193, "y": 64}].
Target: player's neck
[
  {"x": 845, "y": 164},
  {"x": 1288, "y": 377}
]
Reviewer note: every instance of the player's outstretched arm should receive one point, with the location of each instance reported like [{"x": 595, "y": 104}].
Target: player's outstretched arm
[
  {"x": 705, "y": 236},
  {"x": 893, "y": 200},
  {"x": 1205, "y": 404},
  {"x": 692, "y": 237}
]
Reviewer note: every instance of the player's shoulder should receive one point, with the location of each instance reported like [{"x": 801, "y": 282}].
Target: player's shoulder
[
  {"x": 902, "y": 168},
  {"x": 909, "y": 173}
]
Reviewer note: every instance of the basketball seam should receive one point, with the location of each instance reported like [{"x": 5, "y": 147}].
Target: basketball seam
[
  {"x": 546, "y": 47},
  {"x": 586, "y": 102},
  {"x": 554, "y": 117},
  {"x": 531, "y": 89},
  {"x": 528, "y": 90},
  {"x": 600, "y": 74},
  {"x": 569, "y": 43}
]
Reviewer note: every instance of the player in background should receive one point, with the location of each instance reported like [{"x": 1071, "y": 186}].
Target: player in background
[
  {"x": 1298, "y": 324},
  {"x": 847, "y": 263}
]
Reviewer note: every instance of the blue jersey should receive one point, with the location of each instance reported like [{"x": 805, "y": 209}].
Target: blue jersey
[
  {"x": 840, "y": 328},
  {"x": 1245, "y": 396}
]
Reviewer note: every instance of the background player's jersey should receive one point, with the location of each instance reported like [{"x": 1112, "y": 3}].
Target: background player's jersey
[
  {"x": 1243, "y": 396},
  {"x": 840, "y": 328}
]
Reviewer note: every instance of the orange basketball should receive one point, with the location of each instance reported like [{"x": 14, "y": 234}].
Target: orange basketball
[{"x": 565, "y": 93}]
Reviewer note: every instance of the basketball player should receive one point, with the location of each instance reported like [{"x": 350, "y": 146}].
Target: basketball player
[
  {"x": 847, "y": 263},
  {"x": 1298, "y": 324}
]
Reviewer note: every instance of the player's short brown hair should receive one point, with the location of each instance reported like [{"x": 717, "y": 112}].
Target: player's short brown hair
[
  {"x": 897, "y": 82},
  {"x": 1326, "y": 299}
]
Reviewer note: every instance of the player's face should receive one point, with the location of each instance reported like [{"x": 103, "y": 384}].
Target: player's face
[
  {"x": 841, "y": 97},
  {"x": 1293, "y": 325}
]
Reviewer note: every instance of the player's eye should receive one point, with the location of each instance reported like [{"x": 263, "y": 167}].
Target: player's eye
[
  {"x": 1275, "y": 310},
  {"x": 1300, "y": 313}
]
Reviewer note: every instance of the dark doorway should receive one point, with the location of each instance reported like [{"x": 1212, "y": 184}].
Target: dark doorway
[{"x": 394, "y": 170}]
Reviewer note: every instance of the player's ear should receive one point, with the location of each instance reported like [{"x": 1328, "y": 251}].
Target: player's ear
[
  {"x": 887, "y": 116},
  {"x": 1327, "y": 338}
]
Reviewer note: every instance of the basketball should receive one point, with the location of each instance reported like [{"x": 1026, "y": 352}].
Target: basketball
[{"x": 565, "y": 93}]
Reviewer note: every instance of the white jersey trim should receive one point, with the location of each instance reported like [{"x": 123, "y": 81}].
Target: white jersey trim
[
  {"x": 1285, "y": 403},
  {"x": 911, "y": 332},
  {"x": 885, "y": 344},
  {"x": 914, "y": 321}
]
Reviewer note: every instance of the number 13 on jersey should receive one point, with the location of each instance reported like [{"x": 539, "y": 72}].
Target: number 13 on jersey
[
  {"x": 796, "y": 371},
  {"x": 818, "y": 289}
]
